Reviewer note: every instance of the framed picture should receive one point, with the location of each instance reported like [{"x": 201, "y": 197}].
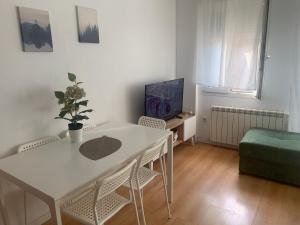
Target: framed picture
[
  {"x": 87, "y": 20},
  {"x": 35, "y": 30}
]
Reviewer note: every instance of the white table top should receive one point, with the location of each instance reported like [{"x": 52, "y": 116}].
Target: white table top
[{"x": 57, "y": 169}]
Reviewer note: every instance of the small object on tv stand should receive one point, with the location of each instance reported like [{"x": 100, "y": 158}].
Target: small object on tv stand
[
  {"x": 184, "y": 128},
  {"x": 179, "y": 117},
  {"x": 175, "y": 136}
]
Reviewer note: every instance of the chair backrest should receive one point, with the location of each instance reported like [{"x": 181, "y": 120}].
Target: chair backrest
[
  {"x": 152, "y": 122},
  {"x": 86, "y": 127},
  {"x": 102, "y": 187},
  {"x": 114, "y": 181},
  {"x": 33, "y": 145},
  {"x": 151, "y": 154}
]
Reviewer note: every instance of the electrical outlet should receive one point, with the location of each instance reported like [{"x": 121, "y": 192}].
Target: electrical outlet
[{"x": 204, "y": 119}]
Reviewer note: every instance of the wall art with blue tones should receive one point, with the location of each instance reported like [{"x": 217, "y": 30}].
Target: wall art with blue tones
[
  {"x": 35, "y": 30},
  {"x": 87, "y": 20}
]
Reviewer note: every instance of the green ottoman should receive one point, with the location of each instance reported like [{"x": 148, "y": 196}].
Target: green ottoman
[{"x": 271, "y": 154}]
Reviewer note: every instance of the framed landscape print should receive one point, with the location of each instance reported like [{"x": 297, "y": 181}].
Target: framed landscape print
[
  {"x": 87, "y": 20},
  {"x": 35, "y": 30}
]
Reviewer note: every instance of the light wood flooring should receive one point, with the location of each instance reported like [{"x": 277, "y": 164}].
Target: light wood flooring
[{"x": 208, "y": 190}]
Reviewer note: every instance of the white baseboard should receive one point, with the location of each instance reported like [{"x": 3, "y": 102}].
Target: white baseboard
[
  {"x": 202, "y": 140},
  {"x": 205, "y": 141}
]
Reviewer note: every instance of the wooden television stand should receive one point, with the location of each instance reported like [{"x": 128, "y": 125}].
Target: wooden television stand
[{"x": 185, "y": 128}]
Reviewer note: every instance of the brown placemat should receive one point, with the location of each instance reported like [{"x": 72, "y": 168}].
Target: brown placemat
[{"x": 100, "y": 147}]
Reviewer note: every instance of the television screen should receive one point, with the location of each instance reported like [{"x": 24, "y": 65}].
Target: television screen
[{"x": 164, "y": 100}]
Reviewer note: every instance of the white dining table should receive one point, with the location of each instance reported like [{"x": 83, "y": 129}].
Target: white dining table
[{"x": 57, "y": 170}]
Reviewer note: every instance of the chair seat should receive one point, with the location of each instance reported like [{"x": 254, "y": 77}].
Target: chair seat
[
  {"x": 105, "y": 207},
  {"x": 145, "y": 176}
]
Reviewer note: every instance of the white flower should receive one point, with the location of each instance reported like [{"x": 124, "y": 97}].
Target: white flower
[{"x": 74, "y": 92}]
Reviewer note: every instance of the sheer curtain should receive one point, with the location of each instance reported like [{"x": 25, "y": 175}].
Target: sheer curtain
[
  {"x": 294, "y": 109},
  {"x": 230, "y": 37}
]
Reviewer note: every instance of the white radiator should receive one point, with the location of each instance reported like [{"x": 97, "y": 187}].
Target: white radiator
[{"x": 229, "y": 125}]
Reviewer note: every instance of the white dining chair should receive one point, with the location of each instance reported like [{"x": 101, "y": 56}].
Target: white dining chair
[
  {"x": 86, "y": 127},
  {"x": 143, "y": 175},
  {"x": 32, "y": 146},
  {"x": 153, "y": 123},
  {"x": 100, "y": 202}
]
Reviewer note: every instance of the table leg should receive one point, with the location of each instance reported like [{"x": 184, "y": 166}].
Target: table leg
[
  {"x": 3, "y": 210},
  {"x": 170, "y": 168},
  {"x": 55, "y": 212}
]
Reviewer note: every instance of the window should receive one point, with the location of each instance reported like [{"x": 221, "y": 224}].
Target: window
[{"x": 231, "y": 44}]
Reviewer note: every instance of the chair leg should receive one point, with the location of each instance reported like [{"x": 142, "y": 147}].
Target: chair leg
[
  {"x": 142, "y": 205},
  {"x": 132, "y": 197},
  {"x": 165, "y": 168},
  {"x": 150, "y": 165},
  {"x": 165, "y": 185},
  {"x": 142, "y": 194}
]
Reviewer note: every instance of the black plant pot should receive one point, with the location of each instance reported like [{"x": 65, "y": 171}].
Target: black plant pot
[{"x": 75, "y": 126}]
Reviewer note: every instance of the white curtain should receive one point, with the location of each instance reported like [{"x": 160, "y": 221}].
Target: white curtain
[
  {"x": 230, "y": 33},
  {"x": 294, "y": 109}
]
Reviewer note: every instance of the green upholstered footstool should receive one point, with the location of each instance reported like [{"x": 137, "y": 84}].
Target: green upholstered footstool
[{"x": 271, "y": 154}]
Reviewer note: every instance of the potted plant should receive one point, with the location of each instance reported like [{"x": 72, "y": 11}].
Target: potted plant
[{"x": 73, "y": 100}]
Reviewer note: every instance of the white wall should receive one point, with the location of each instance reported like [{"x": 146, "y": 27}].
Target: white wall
[
  {"x": 279, "y": 70},
  {"x": 186, "y": 35},
  {"x": 137, "y": 47}
]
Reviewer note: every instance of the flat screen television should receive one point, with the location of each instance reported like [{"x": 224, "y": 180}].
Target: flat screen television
[{"x": 164, "y": 100}]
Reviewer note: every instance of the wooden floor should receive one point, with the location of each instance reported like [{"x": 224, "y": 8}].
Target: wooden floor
[{"x": 209, "y": 191}]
